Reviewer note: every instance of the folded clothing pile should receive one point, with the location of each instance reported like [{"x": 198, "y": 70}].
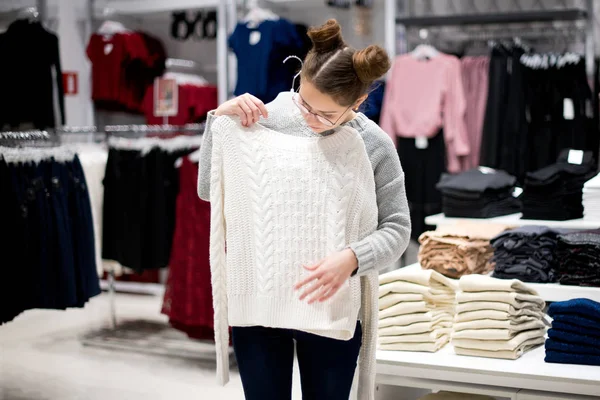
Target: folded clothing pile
[
  {"x": 497, "y": 318},
  {"x": 575, "y": 334},
  {"x": 459, "y": 249},
  {"x": 527, "y": 253},
  {"x": 555, "y": 192},
  {"x": 579, "y": 258},
  {"x": 416, "y": 308},
  {"x": 443, "y": 395},
  {"x": 478, "y": 193},
  {"x": 591, "y": 199}
]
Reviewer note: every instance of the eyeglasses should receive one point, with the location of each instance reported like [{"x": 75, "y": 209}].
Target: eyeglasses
[{"x": 302, "y": 106}]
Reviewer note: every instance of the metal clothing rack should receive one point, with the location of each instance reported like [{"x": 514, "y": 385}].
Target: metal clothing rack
[
  {"x": 139, "y": 335},
  {"x": 581, "y": 17}
]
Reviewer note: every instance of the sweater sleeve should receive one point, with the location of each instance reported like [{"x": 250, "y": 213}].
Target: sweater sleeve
[
  {"x": 386, "y": 121},
  {"x": 204, "y": 167},
  {"x": 385, "y": 246},
  {"x": 454, "y": 109},
  {"x": 218, "y": 264}
]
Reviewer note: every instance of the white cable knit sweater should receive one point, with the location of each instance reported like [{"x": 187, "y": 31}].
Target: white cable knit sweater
[{"x": 278, "y": 203}]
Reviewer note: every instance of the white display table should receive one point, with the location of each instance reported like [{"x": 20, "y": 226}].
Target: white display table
[
  {"x": 528, "y": 375},
  {"x": 514, "y": 220}
]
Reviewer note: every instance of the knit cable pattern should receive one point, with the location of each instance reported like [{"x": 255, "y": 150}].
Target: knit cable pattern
[{"x": 280, "y": 203}]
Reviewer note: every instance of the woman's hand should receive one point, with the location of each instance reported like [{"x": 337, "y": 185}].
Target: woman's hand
[
  {"x": 327, "y": 276},
  {"x": 246, "y": 106}
]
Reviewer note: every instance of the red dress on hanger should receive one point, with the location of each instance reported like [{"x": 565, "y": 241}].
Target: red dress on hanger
[{"x": 188, "y": 293}]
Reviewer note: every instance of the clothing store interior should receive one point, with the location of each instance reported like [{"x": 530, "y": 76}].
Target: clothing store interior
[{"x": 110, "y": 274}]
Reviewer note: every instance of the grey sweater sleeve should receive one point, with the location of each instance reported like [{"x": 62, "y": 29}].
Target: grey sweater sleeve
[
  {"x": 387, "y": 244},
  {"x": 205, "y": 159}
]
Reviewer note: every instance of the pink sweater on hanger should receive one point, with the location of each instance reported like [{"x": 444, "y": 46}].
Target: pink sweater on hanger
[{"x": 423, "y": 96}]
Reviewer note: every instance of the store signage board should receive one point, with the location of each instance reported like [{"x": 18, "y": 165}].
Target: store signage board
[{"x": 166, "y": 98}]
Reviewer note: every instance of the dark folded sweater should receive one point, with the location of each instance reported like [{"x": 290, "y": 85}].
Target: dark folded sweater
[
  {"x": 583, "y": 307},
  {"x": 556, "y": 345},
  {"x": 574, "y": 338},
  {"x": 577, "y": 329},
  {"x": 578, "y": 320},
  {"x": 567, "y": 358}
]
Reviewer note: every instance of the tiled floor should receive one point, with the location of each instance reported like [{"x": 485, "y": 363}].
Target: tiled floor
[{"x": 41, "y": 358}]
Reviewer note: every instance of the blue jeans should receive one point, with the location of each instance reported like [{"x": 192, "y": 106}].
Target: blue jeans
[{"x": 265, "y": 358}]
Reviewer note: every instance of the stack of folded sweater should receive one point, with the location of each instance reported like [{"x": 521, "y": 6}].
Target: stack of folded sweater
[
  {"x": 579, "y": 258},
  {"x": 591, "y": 199},
  {"x": 497, "y": 318},
  {"x": 555, "y": 192},
  {"x": 415, "y": 310},
  {"x": 459, "y": 249},
  {"x": 478, "y": 193},
  {"x": 575, "y": 334},
  {"x": 527, "y": 253}
]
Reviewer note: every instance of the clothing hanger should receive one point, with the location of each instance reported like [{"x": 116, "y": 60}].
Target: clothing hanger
[
  {"x": 257, "y": 14},
  {"x": 109, "y": 26},
  {"x": 424, "y": 51},
  {"x": 298, "y": 74}
]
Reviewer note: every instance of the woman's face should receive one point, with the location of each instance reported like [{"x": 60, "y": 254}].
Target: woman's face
[{"x": 319, "y": 110}]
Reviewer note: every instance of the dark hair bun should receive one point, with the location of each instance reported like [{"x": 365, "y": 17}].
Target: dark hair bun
[
  {"x": 327, "y": 38},
  {"x": 371, "y": 63}
]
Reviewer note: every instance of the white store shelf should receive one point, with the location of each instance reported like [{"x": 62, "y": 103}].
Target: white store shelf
[
  {"x": 529, "y": 372},
  {"x": 551, "y": 292},
  {"x": 514, "y": 220}
]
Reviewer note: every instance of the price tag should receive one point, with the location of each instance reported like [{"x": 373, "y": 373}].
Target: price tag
[
  {"x": 517, "y": 192},
  {"x": 421, "y": 143},
  {"x": 568, "y": 109},
  {"x": 254, "y": 37},
  {"x": 575, "y": 157}
]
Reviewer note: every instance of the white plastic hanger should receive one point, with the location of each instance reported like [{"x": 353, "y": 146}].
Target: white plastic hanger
[
  {"x": 425, "y": 52},
  {"x": 256, "y": 15},
  {"x": 186, "y": 79},
  {"x": 111, "y": 28}
]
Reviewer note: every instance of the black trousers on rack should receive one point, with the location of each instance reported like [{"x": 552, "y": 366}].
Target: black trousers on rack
[{"x": 422, "y": 169}]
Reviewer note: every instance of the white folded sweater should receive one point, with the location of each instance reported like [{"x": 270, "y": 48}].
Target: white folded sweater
[
  {"x": 412, "y": 329},
  {"x": 496, "y": 333},
  {"x": 421, "y": 277},
  {"x": 430, "y": 347},
  {"x": 515, "y": 308},
  {"x": 516, "y": 299},
  {"x": 501, "y": 345},
  {"x": 512, "y": 315},
  {"x": 493, "y": 324},
  {"x": 278, "y": 203},
  {"x": 483, "y": 283},
  {"x": 408, "y": 319}
]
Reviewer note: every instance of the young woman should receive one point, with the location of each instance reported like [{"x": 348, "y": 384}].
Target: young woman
[{"x": 335, "y": 80}]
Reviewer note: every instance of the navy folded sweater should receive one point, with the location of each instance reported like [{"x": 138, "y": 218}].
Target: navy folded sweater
[
  {"x": 563, "y": 347},
  {"x": 582, "y": 307},
  {"x": 567, "y": 358},
  {"x": 578, "y": 320},
  {"x": 578, "y": 329},
  {"x": 574, "y": 338}
]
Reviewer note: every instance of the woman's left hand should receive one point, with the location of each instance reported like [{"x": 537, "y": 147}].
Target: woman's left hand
[{"x": 327, "y": 276}]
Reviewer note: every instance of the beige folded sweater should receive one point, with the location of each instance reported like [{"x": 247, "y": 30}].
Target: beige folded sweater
[
  {"x": 409, "y": 287},
  {"x": 413, "y": 329},
  {"x": 513, "y": 315},
  {"x": 391, "y": 299},
  {"x": 516, "y": 299},
  {"x": 497, "y": 345},
  {"x": 408, "y": 319},
  {"x": 504, "y": 354},
  {"x": 394, "y": 298},
  {"x": 494, "y": 324},
  {"x": 413, "y": 307},
  {"x": 430, "y": 347},
  {"x": 495, "y": 334},
  {"x": 514, "y": 309},
  {"x": 482, "y": 283},
  {"x": 421, "y": 277},
  {"x": 424, "y": 337}
]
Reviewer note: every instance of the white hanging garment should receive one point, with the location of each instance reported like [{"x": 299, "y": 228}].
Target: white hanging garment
[
  {"x": 256, "y": 15},
  {"x": 186, "y": 79}
]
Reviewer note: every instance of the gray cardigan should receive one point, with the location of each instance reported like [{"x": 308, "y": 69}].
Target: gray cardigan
[{"x": 384, "y": 246}]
